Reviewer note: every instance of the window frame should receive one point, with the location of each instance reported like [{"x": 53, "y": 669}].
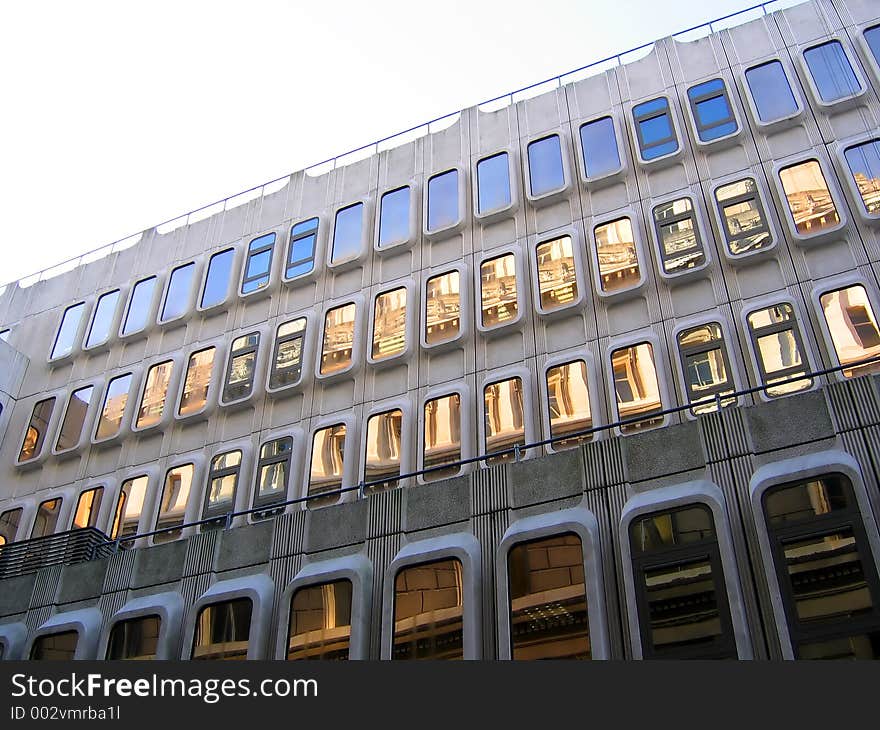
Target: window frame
[
  {"x": 466, "y": 440},
  {"x": 703, "y": 241},
  {"x": 306, "y": 355},
  {"x": 530, "y": 428},
  {"x": 196, "y": 461},
  {"x": 168, "y": 606},
  {"x": 223, "y": 396},
  {"x": 230, "y": 283},
  {"x": 597, "y": 181},
  {"x": 244, "y": 279},
  {"x": 86, "y": 622},
  {"x": 638, "y": 137},
  {"x": 412, "y": 219},
  {"x": 149, "y": 317},
  {"x": 565, "y": 310},
  {"x": 96, "y": 517},
  {"x": 784, "y": 121},
  {"x": 318, "y": 233},
  {"x": 412, "y": 305},
  {"x": 521, "y": 289},
  {"x": 846, "y": 174},
  {"x": 240, "y": 471},
  {"x": 504, "y": 211},
  {"x": 833, "y": 190},
  {"x": 168, "y": 406},
  {"x": 266, "y": 503},
  {"x": 355, "y": 259},
  {"x": 733, "y": 383},
  {"x": 152, "y": 475},
  {"x": 760, "y": 197},
  {"x": 127, "y": 412},
  {"x": 85, "y": 315},
  {"x": 114, "y": 324},
  {"x": 634, "y": 339},
  {"x": 464, "y": 306},
  {"x": 350, "y": 460},
  {"x": 644, "y": 261},
  {"x": 596, "y": 415},
  {"x": 560, "y": 191},
  {"x": 88, "y": 419},
  {"x": 699, "y": 126},
  {"x": 358, "y": 337},
  {"x": 210, "y": 395},
  {"x": 406, "y": 438},
  {"x": 45, "y": 445},
  {"x": 191, "y": 292},
  {"x": 831, "y": 107},
  {"x": 62, "y": 510},
  {"x": 447, "y": 230}
]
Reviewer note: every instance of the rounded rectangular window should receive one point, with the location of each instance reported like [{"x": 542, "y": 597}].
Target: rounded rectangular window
[
  {"x": 428, "y": 611},
  {"x": 115, "y": 399},
  {"x": 443, "y": 308},
  {"x": 442, "y": 435},
  {"x": 443, "y": 201},
  {"x": 320, "y": 621},
  {"x": 599, "y": 147},
  {"x": 681, "y": 248},
  {"x": 66, "y": 336},
  {"x": 88, "y": 507},
  {"x": 493, "y": 183},
  {"x": 273, "y": 471},
  {"x": 863, "y": 161},
  {"x": 287, "y": 361},
  {"x": 301, "y": 251},
  {"x": 637, "y": 387},
  {"x": 177, "y": 296},
  {"x": 778, "y": 346},
  {"x": 347, "y": 233},
  {"x": 809, "y": 200},
  {"x": 258, "y": 264},
  {"x": 35, "y": 436},
  {"x": 548, "y": 600},
  {"x": 241, "y": 368},
  {"x": 140, "y": 303},
  {"x": 222, "y": 483},
  {"x": 223, "y": 631},
  {"x": 504, "y": 418},
  {"x": 498, "y": 290},
  {"x": 9, "y": 521},
  {"x": 568, "y": 396},
  {"x": 618, "y": 256},
  {"x": 706, "y": 367},
  {"x": 74, "y": 418},
  {"x": 771, "y": 92},
  {"x": 155, "y": 393},
  {"x": 129, "y": 506},
  {"x": 557, "y": 273},
  {"x": 546, "y": 170},
  {"x": 135, "y": 638},
  {"x": 217, "y": 278},
  {"x": 742, "y": 212},
  {"x": 46, "y": 521},
  {"x": 172, "y": 507},
  {"x": 832, "y": 72},
  {"x": 712, "y": 111},
  {"x": 197, "y": 381},
  {"x": 853, "y": 327},
  {"x": 327, "y": 466},
  {"x": 655, "y": 132},
  {"x": 394, "y": 217},
  {"x": 389, "y": 324},
  {"x": 102, "y": 319},
  {"x": 55, "y": 647},
  {"x": 338, "y": 342},
  {"x": 382, "y": 459}
]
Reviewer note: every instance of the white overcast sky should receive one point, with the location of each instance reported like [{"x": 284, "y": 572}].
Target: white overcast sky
[{"x": 115, "y": 116}]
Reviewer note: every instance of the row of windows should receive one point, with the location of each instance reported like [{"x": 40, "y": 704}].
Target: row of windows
[{"x": 821, "y": 555}]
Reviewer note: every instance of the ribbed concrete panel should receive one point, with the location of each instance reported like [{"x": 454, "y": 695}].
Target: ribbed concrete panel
[
  {"x": 282, "y": 571},
  {"x": 489, "y": 529},
  {"x": 866, "y": 400},
  {"x": 45, "y": 586},
  {"x": 603, "y": 463},
  {"x": 384, "y": 513},
  {"x": 288, "y": 534},
  {"x": 110, "y": 603},
  {"x": 841, "y": 407},
  {"x": 200, "y": 553},
  {"x": 865, "y": 447},
  {"x": 36, "y": 617},
  {"x": 193, "y": 586},
  {"x": 723, "y": 434},
  {"x": 119, "y": 571},
  {"x": 489, "y": 490},
  {"x": 380, "y": 552}
]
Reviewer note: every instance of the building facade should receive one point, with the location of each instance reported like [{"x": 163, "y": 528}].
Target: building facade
[{"x": 583, "y": 372}]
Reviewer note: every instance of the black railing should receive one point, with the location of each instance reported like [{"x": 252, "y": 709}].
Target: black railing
[{"x": 64, "y": 548}]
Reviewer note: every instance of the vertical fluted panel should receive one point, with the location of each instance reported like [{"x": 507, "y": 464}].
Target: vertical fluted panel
[
  {"x": 45, "y": 586},
  {"x": 381, "y": 552},
  {"x": 119, "y": 571},
  {"x": 384, "y": 511}
]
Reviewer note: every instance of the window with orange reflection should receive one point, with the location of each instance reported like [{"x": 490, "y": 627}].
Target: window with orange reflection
[
  {"x": 557, "y": 274},
  {"x": 498, "y": 287},
  {"x": 853, "y": 327},
  {"x": 618, "y": 257},
  {"x": 809, "y": 200},
  {"x": 338, "y": 341},
  {"x": 504, "y": 417},
  {"x": 636, "y": 386}
]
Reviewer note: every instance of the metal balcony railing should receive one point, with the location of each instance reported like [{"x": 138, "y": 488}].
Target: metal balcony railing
[{"x": 63, "y": 548}]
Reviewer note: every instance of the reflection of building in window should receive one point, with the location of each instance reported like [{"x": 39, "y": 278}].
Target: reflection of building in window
[
  {"x": 287, "y": 366},
  {"x": 428, "y": 611},
  {"x": 114, "y": 407},
  {"x": 808, "y": 196},
  {"x": 36, "y": 430},
  {"x": 222, "y": 482},
  {"x": 745, "y": 226},
  {"x": 504, "y": 417},
  {"x": 706, "y": 369},
  {"x": 55, "y": 647},
  {"x": 136, "y": 638},
  {"x": 155, "y": 392},
  {"x": 320, "y": 621},
  {"x": 129, "y": 507},
  {"x": 557, "y": 275},
  {"x": 47, "y": 518},
  {"x": 498, "y": 290},
  {"x": 328, "y": 452},
  {"x": 338, "y": 339},
  {"x": 383, "y": 447},
  {"x": 568, "y": 398},
  {"x": 9, "y": 524},
  {"x": 272, "y": 471},
  {"x": 198, "y": 378},
  {"x": 778, "y": 347},
  {"x": 547, "y": 600},
  {"x": 853, "y": 327},
  {"x": 175, "y": 495},
  {"x": 242, "y": 364},
  {"x": 617, "y": 254},
  {"x": 389, "y": 324},
  {"x": 88, "y": 506},
  {"x": 442, "y": 308},
  {"x": 223, "y": 630},
  {"x": 636, "y": 386},
  {"x": 74, "y": 418},
  {"x": 442, "y": 435},
  {"x": 864, "y": 165},
  {"x": 680, "y": 245}
]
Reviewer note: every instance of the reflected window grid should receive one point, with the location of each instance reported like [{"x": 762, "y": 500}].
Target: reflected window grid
[
  {"x": 222, "y": 484},
  {"x": 326, "y": 471},
  {"x": 338, "y": 341},
  {"x": 113, "y": 409},
  {"x": 557, "y": 273},
  {"x": 273, "y": 471},
  {"x": 288, "y": 357},
  {"x": 779, "y": 349},
  {"x": 134, "y": 639},
  {"x": 55, "y": 647},
  {"x": 706, "y": 368},
  {"x": 301, "y": 249},
  {"x": 241, "y": 367},
  {"x": 678, "y": 234},
  {"x": 258, "y": 264},
  {"x": 320, "y": 622},
  {"x": 617, "y": 254},
  {"x": 442, "y": 308},
  {"x": 389, "y": 324},
  {"x": 152, "y": 406},
  {"x": 810, "y": 204},
  {"x": 742, "y": 213},
  {"x": 383, "y": 449},
  {"x": 498, "y": 290},
  {"x": 636, "y": 387},
  {"x": 223, "y": 631},
  {"x": 197, "y": 382}
]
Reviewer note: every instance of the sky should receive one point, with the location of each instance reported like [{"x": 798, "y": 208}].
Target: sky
[{"x": 118, "y": 116}]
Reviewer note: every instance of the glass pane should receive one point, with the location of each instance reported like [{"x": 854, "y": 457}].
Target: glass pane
[
  {"x": 809, "y": 200},
  {"x": 55, "y": 647},
  {"x": 746, "y": 229},
  {"x": 114, "y": 407},
  {"x": 338, "y": 339},
  {"x": 198, "y": 378},
  {"x": 389, "y": 324},
  {"x": 67, "y": 331},
  {"x": 139, "y": 306},
  {"x": 442, "y": 308},
  {"x": 853, "y": 328},
  {"x": 546, "y": 172},
  {"x": 301, "y": 252},
  {"x": 599, "y": 146},
  {"x": 656, "y": 135},
  {"x": 287, "y": 367},
  {"x": 618, "y": 258},
  {"x": 443, "y": 200},
  {"x": 328, "y": 452},
  {"x": 557, "y": 275},
  {"x": 778, "y": 352},
  {"x": 9, "y": 524},
  {"x": 137, "y": 638},
  {"x": 442, "y": 436},
  {"x": 569, "y": 402},
  {"x": 74, "y": 418},
  {"x": 258, "y": 264},
  {"x": 498, "y": 290},
  {"x": 347, "y": 233},
  {"x": 872, "y": 36},
  {"x": 129, "y": 507},
  {"x": 102, "y": 319},
  {"x": 223, "y": 630},
  {"x": 712, "y": 110},
  {"x": 504, "y": 417},
  {"x": 36, "y": 430},
  {"x": 636, "y": 386},
  {"x": 680, "y": 244},
  {"x": 683, "y": 611},
  {"x": 864, "y": 165},
  {"x": 793, "y": 503},
  {"x": 705, "y": 366},
  {"x": 88, "y": 506},
  {"x": 383, "y": 447},
  {"x": 272, "y": 479},
  {"x": 221, "y": 486},
  {"x": 664, "y": 530},
  {"x": 548, "y": 600},
  {"x": 493, "y": 183},
  {"x": 217, "y": 280},
  {"x": 47, "y": 518},
  {"x": 831, "y": 72},
  {"x": 428, "y": 612},
  {"x": 241, "y": 375},
  {"x": 175, "y": 495},
  {"x": 320, "y": 622},
  {"x": 155, "y": 393},
  {"x": 177, "y": 297},
  {"x": 394, "y": 217},
  {"x": 771, "y": 92}
]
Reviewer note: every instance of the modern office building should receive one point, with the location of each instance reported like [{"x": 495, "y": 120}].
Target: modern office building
[{"x": 587, "y": 371}]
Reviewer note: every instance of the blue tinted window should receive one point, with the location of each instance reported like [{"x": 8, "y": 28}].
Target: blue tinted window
[
  {"x": 599, "y": 146},
  {"x": 67, "y": 331},
  {"x": 872, "y": 36},
  {"x": 770, "y": 92},
  {"x": 347, "y": 233},
  {"x": 493, "y": 183},
  {"x": 394, "y": 217},
  {"x": 217, "y": 280},
  {"x": 177, "y": 297},
  {"x": 545, "y": 165},
  {"x": 712, "y": 110},
  {"x": 301, "y": 253},
  {"x": 443, "y": 200},
  {"x": 831, "y": 72},
  {"x": 864, "y": 165},
  {"x": 139, "y": 306},
  {"x": 654, "y": 126},
  {"x": 102, "y": 319},
  {"x": 257, "y": 268}
]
